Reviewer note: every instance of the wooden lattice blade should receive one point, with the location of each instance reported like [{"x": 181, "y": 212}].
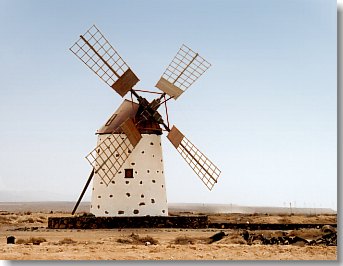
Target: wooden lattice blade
[
  {"x": 98, "y": 54},
  {"x": 131, "y": 132},
  {"x": 185, "y": 68},
  {"x": 169, "y": 88},
  {"x": 201, "y": 165},
  {"x": 111, "y": 154}
]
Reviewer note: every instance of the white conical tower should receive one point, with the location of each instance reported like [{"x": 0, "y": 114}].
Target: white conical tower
[{"x": 138, "y": 188}]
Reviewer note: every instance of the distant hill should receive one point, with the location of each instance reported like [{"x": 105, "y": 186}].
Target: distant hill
[
  {"x": 67, "y": 206},
  {"x": 233, "y": 208},
  {"x": 31, "y": 196}
]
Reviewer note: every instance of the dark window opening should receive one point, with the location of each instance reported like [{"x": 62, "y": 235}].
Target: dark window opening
[
  {"x": 111, "y": 196},
  {"x": 163, "y": 211},
  {"x": 106, "y": 212},
  {"x": 110, "y": 120},
  {"x": 128, "y": 173},
  {"x": 141, "y": 182},
  {"x": 135, "y": 211},
  {"x": 152, "y": 201},
  {"x": 153, "y": 181},
  {"x": 98, "y": 206},
  {"x": 128, "y": 194},
  {"x": 133, "y": 163},
  {"x": 120, "y": 212},
  {"x": 141, "y": 204},
  {"x": 127, "y": 182},
  {"x": 142, "y": 196}
]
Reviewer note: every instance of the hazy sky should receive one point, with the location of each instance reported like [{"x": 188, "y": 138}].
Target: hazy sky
[{"x": 264, "y": 113}]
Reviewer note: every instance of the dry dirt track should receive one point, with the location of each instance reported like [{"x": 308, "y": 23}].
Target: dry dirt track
[
  {"x": 103, "y": 244},
  {"x": 94, "y": 251}
]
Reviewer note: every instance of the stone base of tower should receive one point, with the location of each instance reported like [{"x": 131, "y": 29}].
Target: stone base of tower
[{"x": 86, "y": 222}]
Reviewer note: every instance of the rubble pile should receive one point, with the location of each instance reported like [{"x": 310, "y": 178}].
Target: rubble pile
[{"x": 328, "y": 238}]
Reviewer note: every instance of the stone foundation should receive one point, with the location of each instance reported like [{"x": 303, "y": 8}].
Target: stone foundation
[
  {"x": 191, "y": 222},
  {"x": 86, "y": 222}
]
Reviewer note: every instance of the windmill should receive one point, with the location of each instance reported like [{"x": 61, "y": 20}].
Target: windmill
[{"x": 127, "y": 163}]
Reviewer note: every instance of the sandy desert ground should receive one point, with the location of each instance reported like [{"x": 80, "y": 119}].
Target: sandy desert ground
[{"x": 34, "y": 241}]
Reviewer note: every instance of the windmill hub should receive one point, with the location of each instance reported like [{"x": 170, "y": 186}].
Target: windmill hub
[{"x": 127, "y": 163}]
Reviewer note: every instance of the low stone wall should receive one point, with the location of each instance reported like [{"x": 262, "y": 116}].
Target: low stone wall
[
  {"x": 194, "y": 222},
  {"x": 84, "y": 222},
  {"x": 265, "y": 226}
]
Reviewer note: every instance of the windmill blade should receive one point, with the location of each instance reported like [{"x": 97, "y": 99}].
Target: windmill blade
[
  {"x": 201, "y": 165},
  {"x": 110, "y": 154},
  {"x": 98, "y": 54},
  {"x": 186, "y": 67}
]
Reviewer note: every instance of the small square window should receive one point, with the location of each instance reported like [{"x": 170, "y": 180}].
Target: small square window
[{"x": 128, "y": 173}]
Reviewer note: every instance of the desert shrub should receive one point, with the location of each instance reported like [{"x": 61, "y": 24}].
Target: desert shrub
[
  {"x": 67, "y": 241},
  {"x": 307, "y": 233},
  {"x": 124, "y": 241},
  {"x": 136, "y": 239},
  {"x": 28, "y": 213},
  {"x": 4, "y": 219},
  {"x": 284, "y": 220},
  {"x": 26, "y": 220},
  {"x": 37, "y": 240},
  {"x": 183, "y": 240},
  {"x": 31, "y": 240},
  {"x": 21, "y": 241},
  {"x": 284, "y": 214},
  {"x": 150, "y": 239},
  {"x": 238, "y": 241},
  {"x": 312, "y": 215}
]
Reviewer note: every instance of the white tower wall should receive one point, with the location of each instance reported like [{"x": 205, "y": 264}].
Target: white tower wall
[{"x": 144, "y": 193}]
